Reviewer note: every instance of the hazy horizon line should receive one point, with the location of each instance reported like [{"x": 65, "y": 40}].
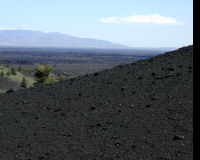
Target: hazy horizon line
[{"x": 49, "y": 32}]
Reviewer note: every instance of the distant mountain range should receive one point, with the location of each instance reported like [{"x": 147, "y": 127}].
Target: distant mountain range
[{"x": 28, "y": 38}]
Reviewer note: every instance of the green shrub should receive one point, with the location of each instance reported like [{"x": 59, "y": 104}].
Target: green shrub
[
  {"x": 19, "y": 69},
  {"x": 8, "y": 73},
  {"x": 43, "y": 74},
  {"x": 24, "y": 83},
  {"x": 2, "y": 74},
  {"x": 61, "y": 78},
  {"x": 13, "y": 71}
]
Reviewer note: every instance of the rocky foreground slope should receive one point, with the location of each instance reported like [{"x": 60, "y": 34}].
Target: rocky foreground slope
[{"x": 142, "y": 110}]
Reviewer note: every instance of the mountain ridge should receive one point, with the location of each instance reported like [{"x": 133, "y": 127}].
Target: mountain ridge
[{"x": 52, "y": 39}]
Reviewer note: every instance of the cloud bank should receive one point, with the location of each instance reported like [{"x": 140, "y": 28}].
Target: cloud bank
[{"x": 142, "y": 19}]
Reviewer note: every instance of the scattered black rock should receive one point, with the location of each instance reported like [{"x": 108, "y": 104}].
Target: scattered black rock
[
  {"x": 133, "y": 146},
  {"x": 190, "y": 67},
  {"x": 10, "y": 91},
  {"x": 180, "y": 66},
  {"x": 25, "y": 102},
  {"x": 170, "y": 69},
  {"x": 161, "y": 158},
  {"x": 117, "y": 144},
  {"x": 98, "y": 124},
  {"x": 170, "y": 96},
  {"x": 104, "y": 128},
  {"x": 58, "y": 110},
  {"x": 69, "y": 135},
  {"x": 153, "y": 98},
  {"x": 139, "y": 78},
  {"x": 41, "y": 157},
  {"x": 133, "y": 92},
  {"x": 47, "y": 108},
  {"x": 96, "y": 74},
  {"x": 37, "y": 117},
  {"x": 93, "y": 107},
  {"x": 178, "y": 137},
  {"x": 153, "y": 74},
  {"x": 84, "y": 114},
  {"x": 167, "y": 76},
  {"x": 148, "y": 106}
]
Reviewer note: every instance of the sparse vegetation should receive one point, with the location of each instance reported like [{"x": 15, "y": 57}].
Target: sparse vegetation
[
  {"x": 67, "y": 63},
  {"x": 15, "y": 78},
  {"x": 61, "y": 78},
  {"x": 19, "y": 69},
  {"x": 24, "y": 83},
  {"x": 76, "y": 61},
  {"x": 8, "y": 73},
  {"x": 13, "y": 71},
  {"x": 2, "y": 74}
]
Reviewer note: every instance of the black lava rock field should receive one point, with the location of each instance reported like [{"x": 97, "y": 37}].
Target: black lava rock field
[{"x": 138, "y": 111}]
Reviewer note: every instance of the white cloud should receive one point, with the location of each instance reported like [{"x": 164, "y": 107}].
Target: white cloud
[
  {"x": 142, "y": 19},
  {"x": 108, "y": 20}
]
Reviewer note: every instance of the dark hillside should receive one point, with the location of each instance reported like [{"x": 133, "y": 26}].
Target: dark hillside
[{"x": 142, "y": 110}]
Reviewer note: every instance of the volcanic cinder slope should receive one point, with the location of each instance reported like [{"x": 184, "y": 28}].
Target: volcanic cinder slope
[{"x": 142, "y": 110}]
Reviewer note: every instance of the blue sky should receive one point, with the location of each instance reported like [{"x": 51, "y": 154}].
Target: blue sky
[{"x": 143, "y": 23}]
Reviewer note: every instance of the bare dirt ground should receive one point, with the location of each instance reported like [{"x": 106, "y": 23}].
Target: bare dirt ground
[{"x": 142, "y": 110}]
